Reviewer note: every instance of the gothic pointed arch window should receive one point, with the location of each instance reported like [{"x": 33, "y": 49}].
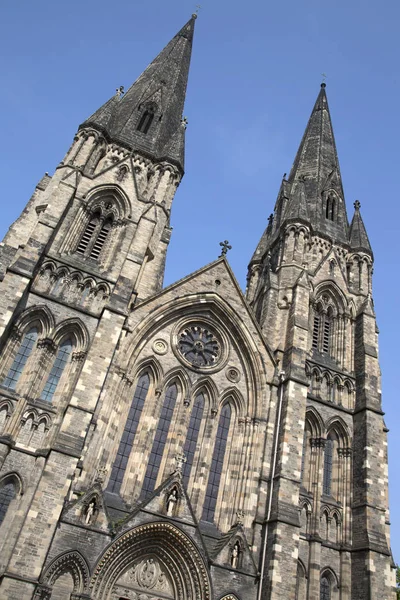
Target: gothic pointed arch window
[
  {"x": 160, "y": 439},
  {"x": 57, "y": 370},
  {"x": 146, "y": 118},
  {"x": 128, "y": 436},
  {"x": 192, "y": 435},
  {"x": 328, "y": 466},
  {"x": 322, "y": 326},
  {"x": 330, "y": 209},
  {"x": 95, "y": 236},
  {"x": 24, "y": 351},
  {"x": 9, "y": 491},
  {"x": 217, "y": 463},
  {"x": 325, "y": 589}
]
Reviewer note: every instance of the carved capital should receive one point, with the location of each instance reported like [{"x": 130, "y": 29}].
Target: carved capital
[
  {"x": 78, "y": 356},
  {"x": 47, "y": 344}
]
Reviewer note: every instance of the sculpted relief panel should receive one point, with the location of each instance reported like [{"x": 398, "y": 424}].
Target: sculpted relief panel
[{"x": 146, "y": 580}]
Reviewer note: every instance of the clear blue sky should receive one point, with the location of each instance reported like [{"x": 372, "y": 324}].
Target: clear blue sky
[{"x": 255, "y": 74}]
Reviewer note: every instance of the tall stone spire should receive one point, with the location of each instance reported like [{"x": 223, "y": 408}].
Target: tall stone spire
[
  {"x": 317, "y": 164},
  {"x": 149, "y": 117}
]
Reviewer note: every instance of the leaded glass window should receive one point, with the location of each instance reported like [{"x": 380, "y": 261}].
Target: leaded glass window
[
  {"x": 128, "y": 436},
  {"x": 328, "y": 459},
  {"x": 192, "y": 436},
  {"x": 21, "y": 358},
  {"x": 7, "y": 495},
  {"x": 160, "y": 439},
  {"x": 57, "y": 370},
  {"x": 325, "y": 589},
  {"x": 217, "y": 463}
]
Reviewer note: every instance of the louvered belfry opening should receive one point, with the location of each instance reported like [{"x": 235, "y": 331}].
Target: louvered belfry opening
[{"x": 94, "y": 237}]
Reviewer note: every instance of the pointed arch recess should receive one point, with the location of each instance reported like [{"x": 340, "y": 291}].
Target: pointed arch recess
[
  {"x": 218, "y": 312},
  {"x": 69, "y": 562},
  {"x": 40, "y": 315},
  {"x": 75, "y": 328},
  {"x": 115, "y": 193},
  {"x": 180, "y": 378},
  {"x": 165, "y": 542},
  {"x": 152, "y": 366},
  {"x": 338, "y": 426},
  {"x": 315, "y": 421}
]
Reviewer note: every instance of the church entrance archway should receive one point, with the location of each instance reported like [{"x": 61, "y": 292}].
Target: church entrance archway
[{"x": 153, "y": 561}]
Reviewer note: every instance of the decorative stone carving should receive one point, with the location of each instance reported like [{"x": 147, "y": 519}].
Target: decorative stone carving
[
  {"x": 199, "y": 346},
  {"x": 233, "y": 374},
  {"x": 160, "y": 347},
  {"x": 172, "y": 501}
]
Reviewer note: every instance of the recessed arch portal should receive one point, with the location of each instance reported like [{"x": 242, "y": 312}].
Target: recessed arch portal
[{"x": 157, "y": 545}]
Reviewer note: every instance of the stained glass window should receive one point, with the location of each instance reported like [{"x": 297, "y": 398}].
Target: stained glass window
[
  {"x": 192, "y": 436},
  {"x": 131, "y": 425},
  {"x": 57, "y": 370},
  {"x": 217, "y": 463},
  {"x": 325, "y": 589},
  {"x": 160, "y": 440},
  {"x": 328, "y": 458},
  {"x": 7, "y": 494},
  {"x": 22, "y": 356}
]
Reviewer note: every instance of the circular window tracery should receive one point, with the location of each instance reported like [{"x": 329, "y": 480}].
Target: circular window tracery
[{"x": 199, "y": 346}]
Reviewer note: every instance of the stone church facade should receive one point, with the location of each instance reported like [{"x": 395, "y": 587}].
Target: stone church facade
[{"x": 189, "y": 442}]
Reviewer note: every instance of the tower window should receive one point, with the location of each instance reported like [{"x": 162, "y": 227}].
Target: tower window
[
  {"x": 160, "y": 439},
  {"x": 146, "y": 121},
  {"x": 192, "y": 435},
  {"x": 328, "y": 460},
  {"x": 128, "y": 436},
  {"x": 7, "y": 495},
  {"x": 21, "y": 358},
  {"x": 94, "y": 237},
  {"x": 315, "y": 335},
  {"x": 57, "y": 370},
  {"x": 325, "y": 589},
  {"x": 217, "y": 463},
  {"x": 330, "y": 208},
  {"x": 326, "y": 334}
]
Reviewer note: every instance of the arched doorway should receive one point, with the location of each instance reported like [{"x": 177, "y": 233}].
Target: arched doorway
[{"x": 155, "y": 558}]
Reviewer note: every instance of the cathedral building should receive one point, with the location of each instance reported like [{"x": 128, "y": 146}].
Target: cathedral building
[{"x": 190, "y": 442}]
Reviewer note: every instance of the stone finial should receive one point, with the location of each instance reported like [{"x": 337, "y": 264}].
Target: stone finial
[
  {"x": 101, "y": 475},
  {"x": 185, "y": 122},
  {"x": 120, "y": 91},
  {"x": 357, "y": 205}
]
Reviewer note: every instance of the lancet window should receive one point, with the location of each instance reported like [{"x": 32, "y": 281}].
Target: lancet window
[
  {"x": 146, "y": 118},
  {"x": 330, "y": 207},
  {"x": 160, "y": 439},
  {"x": 325, "y": 589},
  {"x": 28, "y": 342},
  {"x": 321, "y": 335},
  {"x": 192, "y": 435},
  {"x": 128, "y": 436},
  {"x": 61, "y": 361},
  {"x": 7, "y": 494},
  {"x": 217, "y": 463},
  {"x": 94, "y": 237},
  {"x": 328, "y": 466}
]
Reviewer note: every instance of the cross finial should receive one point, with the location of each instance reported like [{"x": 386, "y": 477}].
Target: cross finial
[
  {"x": 180, "y": 460},
  {"x": 225, "y": 247},
  {"x": 120, "y": 91},
  {"x": 323, "y": 75},
  {"x": 357, "y": 205},
  {"x": 198, "y": 7}
]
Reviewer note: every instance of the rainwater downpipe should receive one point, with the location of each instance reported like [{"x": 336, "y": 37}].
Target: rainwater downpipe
[{"x": 271, "y": 487}]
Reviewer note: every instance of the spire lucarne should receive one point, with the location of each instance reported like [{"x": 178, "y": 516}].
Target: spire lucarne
[{"x": 160, "y": 90}]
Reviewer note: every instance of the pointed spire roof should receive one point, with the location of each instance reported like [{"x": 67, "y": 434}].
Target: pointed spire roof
[
  {"x": 317, "y": 164},
  {"x": 358, "y": 235},
  {"x": 163, "y": 85}
]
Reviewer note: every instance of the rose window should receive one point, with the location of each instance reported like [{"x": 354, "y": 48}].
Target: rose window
[{"x": 199, "y": 346}]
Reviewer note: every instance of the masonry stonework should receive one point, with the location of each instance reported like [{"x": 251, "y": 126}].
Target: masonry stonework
[{"x": 189, "y": 442}]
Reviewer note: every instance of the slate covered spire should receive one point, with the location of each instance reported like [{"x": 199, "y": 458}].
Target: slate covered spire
[
  {"x": 358, "y": 237},
  {"x": 317, "y": 164},
  {"x": 158, "y": 97}
]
